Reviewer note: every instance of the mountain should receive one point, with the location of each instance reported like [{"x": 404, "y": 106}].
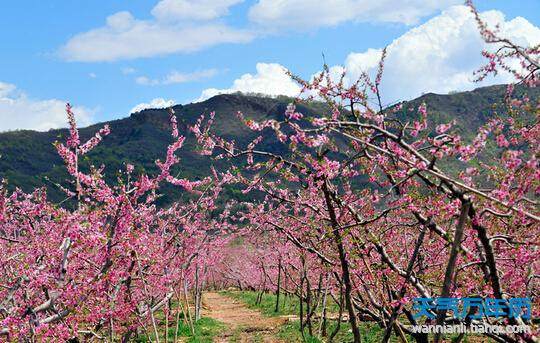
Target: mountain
[{"x": 28, "y": 159}]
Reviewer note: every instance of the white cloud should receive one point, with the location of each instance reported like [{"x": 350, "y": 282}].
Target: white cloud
[
  {"x": 128, "y": 70},
  {"x": 438, "y": 56},
  {"x": 270, "y": 79},
  {"x": 145, "y": 81},
  {"x": 154, "y": 103},
  {"x": 125, "y": 37},
  {"x": 6, "y": 88},
  {"x": 173, "y": 10},
  {"x": 92, "y": 75},
  {"x": 18, "y": 111},
  {"x": 309, "y": 14},
  {"x": 147, "y": 39},
  {"x": 177, "y": 77}
]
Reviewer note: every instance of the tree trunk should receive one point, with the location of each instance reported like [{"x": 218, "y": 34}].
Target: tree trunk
[
  {"x": 278, "y": 285},
  {"x": 344, "y": 265},
  {"x": 449, "y": 274}
]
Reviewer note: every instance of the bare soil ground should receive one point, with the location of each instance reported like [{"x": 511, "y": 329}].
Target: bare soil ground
[{"x": 244, "y": 324}]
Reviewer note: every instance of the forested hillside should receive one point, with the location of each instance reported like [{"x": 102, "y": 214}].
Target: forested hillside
[{"x": 29, "y": 159}]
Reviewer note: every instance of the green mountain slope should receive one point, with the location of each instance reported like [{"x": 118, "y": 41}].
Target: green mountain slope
[{"x": 28, "y": 158}]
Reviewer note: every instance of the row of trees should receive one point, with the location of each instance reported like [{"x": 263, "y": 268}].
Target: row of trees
[
  {"x": 372, "y": 206},
  {"x": 363, "y": 206},
  {"x": 104, "y": 268}
]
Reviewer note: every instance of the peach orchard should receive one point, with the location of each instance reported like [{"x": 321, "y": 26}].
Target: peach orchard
[{"x": 365, "y": 208}]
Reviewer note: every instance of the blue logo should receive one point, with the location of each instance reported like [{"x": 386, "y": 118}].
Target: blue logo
[{"x": 474, "y": 308}]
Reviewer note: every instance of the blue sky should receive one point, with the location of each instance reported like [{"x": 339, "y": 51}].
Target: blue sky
[{"x": 56, "y": 51}]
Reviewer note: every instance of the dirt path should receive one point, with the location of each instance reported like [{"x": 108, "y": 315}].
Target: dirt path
[{"x": 244, "y": 324}]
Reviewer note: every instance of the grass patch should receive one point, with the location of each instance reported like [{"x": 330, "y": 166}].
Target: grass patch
[
  {"x": 288, "y": 305},
  {"x": 205, "y": 331},
  {"x": 371, "y": 333}
]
